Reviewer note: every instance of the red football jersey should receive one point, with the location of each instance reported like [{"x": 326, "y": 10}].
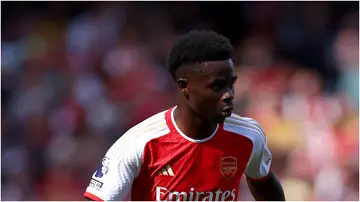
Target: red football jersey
[{"x": 154, "y": 160}]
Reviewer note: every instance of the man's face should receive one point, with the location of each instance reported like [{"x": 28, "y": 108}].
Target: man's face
[{"x": 211, "y": 90}]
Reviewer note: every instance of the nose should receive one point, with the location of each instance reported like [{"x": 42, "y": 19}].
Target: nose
[{"x": 228, "y": 97}]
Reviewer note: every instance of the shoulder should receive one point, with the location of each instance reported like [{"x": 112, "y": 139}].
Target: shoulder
[
  {"x": 137, "y": 136},
  {"x": 244, "y": 126}
]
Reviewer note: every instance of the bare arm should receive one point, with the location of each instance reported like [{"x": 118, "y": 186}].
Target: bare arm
[{"x": 268, "y": 189}]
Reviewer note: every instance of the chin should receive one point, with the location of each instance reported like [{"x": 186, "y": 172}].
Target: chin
[
  {"x": 222, "y": 116},
  {"x": 221, "y": 119}
]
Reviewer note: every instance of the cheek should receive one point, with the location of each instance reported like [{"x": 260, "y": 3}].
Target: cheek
[
  {"x": 212, "y": 96},
  {"x": 206, "y": 100}
]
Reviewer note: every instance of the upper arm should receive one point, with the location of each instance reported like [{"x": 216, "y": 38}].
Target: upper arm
[
  {"x": 259, "y": 164},
  {"x": 262, "y": 182},
  {"x": 114, "y": 177}
]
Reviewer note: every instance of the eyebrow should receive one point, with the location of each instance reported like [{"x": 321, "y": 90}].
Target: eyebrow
[{"x": 234, "y": 78}]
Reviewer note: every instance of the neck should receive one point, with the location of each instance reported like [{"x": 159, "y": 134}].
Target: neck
[{"x": 191, "y": 124}]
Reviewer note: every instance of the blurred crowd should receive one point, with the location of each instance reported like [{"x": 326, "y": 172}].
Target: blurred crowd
[{"x": 76, "y": 76}]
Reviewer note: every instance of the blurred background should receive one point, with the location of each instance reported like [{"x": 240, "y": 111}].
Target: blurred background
[{"x": 76, "y": 75}]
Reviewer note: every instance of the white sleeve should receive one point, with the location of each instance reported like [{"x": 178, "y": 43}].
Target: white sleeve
[
  {"x": 114, "y": 177},
  {"x": 259, "y": 163}
]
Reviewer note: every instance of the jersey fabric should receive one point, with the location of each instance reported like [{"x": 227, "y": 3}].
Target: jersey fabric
[{"x": 154, "y": 160}]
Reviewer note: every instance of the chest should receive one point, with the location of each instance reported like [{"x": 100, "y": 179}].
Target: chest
[{"x": 185, "y": 166}]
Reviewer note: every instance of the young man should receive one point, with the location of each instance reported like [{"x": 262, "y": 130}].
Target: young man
[{"x": 197, "y": 150}]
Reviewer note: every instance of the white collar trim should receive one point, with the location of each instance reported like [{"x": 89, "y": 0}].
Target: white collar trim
[{"x": 188, "y": 138}]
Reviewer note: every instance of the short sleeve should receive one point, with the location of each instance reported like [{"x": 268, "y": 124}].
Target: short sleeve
[
  {"x": 259, "y": 164},
  {"x": 115, "y": 175}
]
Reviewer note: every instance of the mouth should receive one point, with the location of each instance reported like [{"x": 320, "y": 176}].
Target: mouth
[{"x": 227, "y": 110}]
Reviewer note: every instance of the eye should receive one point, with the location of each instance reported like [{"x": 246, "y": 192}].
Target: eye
[
  {"x": 232, "y": 84},
  {"x": 218, "y": 86}
]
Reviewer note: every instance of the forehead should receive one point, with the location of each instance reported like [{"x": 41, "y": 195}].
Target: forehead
[{"x": 223, "y": 68}]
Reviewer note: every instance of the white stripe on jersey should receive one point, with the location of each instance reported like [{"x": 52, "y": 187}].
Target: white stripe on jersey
[
  {"x": 137, "y": 136},
  {"x": 257, "y": 166},
  {"x": 126, "y": 158},
  {"x": 245, "y": 122}
]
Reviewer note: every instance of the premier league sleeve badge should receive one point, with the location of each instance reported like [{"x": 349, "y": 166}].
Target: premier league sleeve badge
[{"x": 103, "y": 168}]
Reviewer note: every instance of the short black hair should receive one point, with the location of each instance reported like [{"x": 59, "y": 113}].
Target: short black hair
[{"x": 198, "y": 46}]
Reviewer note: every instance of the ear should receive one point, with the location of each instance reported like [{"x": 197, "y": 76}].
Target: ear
[{"x": 183, "y": 85}]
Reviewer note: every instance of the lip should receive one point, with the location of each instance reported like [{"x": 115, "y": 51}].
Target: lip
[{"x": 228, "y": 109}]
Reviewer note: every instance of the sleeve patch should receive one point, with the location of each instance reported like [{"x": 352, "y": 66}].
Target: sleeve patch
[
  {"x": 97, "y": 185},
  {"x": 103, "y": 169}
]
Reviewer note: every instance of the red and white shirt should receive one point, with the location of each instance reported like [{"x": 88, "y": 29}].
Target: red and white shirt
[{"x": 154, "y": 160}]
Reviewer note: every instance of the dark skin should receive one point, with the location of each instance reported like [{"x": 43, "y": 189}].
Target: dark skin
[
  {"x": 206, "y": 99},
  {"x": 204, "y": 94},
  {"x": 269, "y": 189}
]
